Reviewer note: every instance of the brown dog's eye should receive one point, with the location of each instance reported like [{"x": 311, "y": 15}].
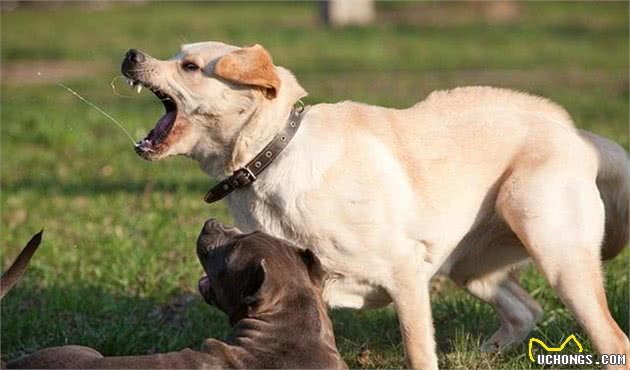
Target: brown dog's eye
[{"x": 190, "y": 66}]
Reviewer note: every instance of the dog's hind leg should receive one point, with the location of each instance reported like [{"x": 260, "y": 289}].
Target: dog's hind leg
[
  {"x": 559, "y": 218},
  {"x": 489, "y": 272},
  {"x": 518, "y": 312}
]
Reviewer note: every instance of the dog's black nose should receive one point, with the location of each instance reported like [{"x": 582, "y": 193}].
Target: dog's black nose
[
  {"x": 131, "y": 61},
  {"x": 216, "y": 227},
  {"x": 134, "y": 56},
  {"x": 214, "y": 234}
]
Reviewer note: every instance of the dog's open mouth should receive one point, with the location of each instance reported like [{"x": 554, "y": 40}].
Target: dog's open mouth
[
  {"x": 205, "y": 291},
  {"x": 156, "y": 141}
]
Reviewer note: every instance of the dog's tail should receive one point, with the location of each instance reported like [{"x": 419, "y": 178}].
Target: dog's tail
[
  {"x": 613, "y": 181},
  {"x": 15, "y": 272}
]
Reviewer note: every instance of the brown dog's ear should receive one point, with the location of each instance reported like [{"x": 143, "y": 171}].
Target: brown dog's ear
[
  {"x": 254, "y": 284},
  {"x": 251, "y": 65},
  {"x": 314, "y": 267}
]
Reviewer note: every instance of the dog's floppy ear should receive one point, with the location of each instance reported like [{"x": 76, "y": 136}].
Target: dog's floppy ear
[
  {"x": 251, "y": 65},
  {"x": 254, "y": 282},
  {"x": 314, "y": 267}
]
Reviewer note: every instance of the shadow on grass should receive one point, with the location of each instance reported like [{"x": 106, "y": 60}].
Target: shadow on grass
[
  {"x": 123, "y": 324},
  {"x": 114, "y": 324},
  {"x": 34, "y": 317},
  {"x": 371, "y": 338}
]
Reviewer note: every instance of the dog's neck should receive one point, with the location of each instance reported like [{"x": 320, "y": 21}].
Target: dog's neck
[
  {"x": 263, "y": 123},
  {"x": 265, "y": 331},
  {"x": 258, "y": 123}
]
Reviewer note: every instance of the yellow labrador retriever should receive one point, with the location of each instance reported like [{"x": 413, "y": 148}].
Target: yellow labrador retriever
[{"x": 468, "y": 182}]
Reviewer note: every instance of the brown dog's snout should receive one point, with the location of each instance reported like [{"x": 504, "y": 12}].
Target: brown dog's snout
[
  {"x": 215, "y": 227},
  {"x": 212, "y": 226},
  {"x": 214, "y": 234}
]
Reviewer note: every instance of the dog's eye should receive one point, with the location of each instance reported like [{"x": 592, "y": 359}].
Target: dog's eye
[{"x": 190, "y": 66}]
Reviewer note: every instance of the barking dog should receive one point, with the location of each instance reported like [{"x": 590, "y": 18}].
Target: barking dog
[
  {"x": 266, "y": 286},
  {"x": 468, "y": 183}
]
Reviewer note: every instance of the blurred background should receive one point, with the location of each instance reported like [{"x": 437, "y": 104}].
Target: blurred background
[{"x": 117, "y": 269}]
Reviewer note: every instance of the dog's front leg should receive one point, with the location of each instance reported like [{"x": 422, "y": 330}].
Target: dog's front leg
[{"x": 410, "y": 294}]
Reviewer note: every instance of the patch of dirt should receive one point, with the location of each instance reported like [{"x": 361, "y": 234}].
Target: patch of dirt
[
  {"x": 43, "y": 72},
  {"x": 365, "y": 358},
  {"x": 451, "y": 13},
  {"x": 369, "y": 360},
  {"x": 10, "y": 5}
]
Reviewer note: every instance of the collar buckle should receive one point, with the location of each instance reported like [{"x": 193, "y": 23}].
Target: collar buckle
[
  {"x": 299, "y": 106},
  {"x": 241, "y": 177}
]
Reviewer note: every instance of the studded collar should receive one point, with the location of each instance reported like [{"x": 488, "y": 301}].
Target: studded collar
[{"x": 248, "y": 173}]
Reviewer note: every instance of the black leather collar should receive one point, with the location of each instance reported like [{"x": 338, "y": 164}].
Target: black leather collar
[{"x": 246, "y": 175}]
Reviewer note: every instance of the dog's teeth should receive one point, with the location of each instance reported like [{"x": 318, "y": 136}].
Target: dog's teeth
[{"x": 138, "y": 88}]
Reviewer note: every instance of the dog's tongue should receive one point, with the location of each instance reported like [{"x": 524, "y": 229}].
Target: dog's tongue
[{"x": 163, "y": 126}]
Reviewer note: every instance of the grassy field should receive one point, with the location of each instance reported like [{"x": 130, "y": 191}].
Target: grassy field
[{"x": 117, "y": 270}]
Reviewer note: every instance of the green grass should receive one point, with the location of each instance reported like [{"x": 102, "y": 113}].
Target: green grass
[{"x": 118, "y": 262}]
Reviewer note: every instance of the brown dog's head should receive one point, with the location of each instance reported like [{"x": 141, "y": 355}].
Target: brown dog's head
[
  {"x": 252, "y": 273},
  {"x": 210, "y": 91}
]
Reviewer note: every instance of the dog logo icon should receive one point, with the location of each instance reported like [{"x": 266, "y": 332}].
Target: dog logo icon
[{"x": 552, "y": 349}]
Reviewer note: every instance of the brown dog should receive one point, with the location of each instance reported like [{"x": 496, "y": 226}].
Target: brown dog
[{"x": 271, "y": 292}]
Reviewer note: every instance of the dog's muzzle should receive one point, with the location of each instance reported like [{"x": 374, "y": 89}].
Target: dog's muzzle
[
  {"x": 132, "y": 59},
  {"x": 214, "y": 234}
]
